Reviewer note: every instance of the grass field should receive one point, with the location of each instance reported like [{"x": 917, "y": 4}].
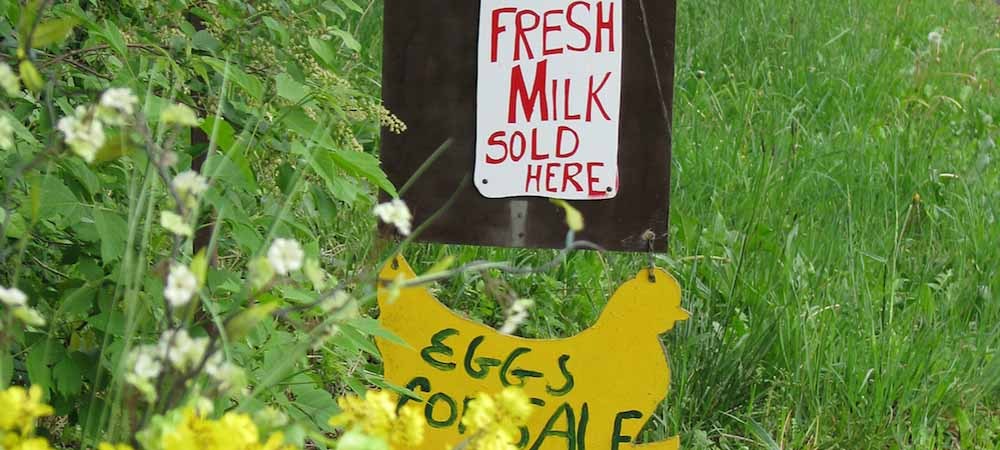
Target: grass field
[{"x": 834, "y": 224}]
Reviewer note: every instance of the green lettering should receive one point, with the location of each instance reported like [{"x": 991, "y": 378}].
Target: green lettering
[
  {"x": 484, "y": 362},
  {"x": 569, "y": 433},
  {"x": 616, "y": 435},
  {"x": 581, "y": 431},
  {"x": 421, "y": 382},
  {"x": 438, "y": 347},
  {"x": 568, "y": 385},
  {"x": 519, "y": 373},
  {"x": 429, "y": 411}
]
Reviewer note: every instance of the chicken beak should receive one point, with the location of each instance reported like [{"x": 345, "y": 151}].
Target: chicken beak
[{"x": 682, "y": 314}]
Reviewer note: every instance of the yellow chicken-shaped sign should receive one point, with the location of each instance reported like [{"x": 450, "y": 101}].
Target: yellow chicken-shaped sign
[{"x": 592, "y": 391}]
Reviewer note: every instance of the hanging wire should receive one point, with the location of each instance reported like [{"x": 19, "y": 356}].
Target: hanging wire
[{"x": 649, "y": 236}]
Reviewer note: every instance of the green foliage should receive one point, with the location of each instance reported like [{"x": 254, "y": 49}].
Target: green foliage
[{"x": 290, "y": 123}]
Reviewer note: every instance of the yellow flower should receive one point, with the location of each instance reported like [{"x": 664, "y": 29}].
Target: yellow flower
[
  {"x": 494, "y": 421},
  {"x": 231, "y": 432},
  {"x": 19, "y": 408},
  {"x": 376, "y": 416},
  {"x": 35, "y": 443},
  {"x": 109, "y": 446},
  {"x": 408, "y": 431}
]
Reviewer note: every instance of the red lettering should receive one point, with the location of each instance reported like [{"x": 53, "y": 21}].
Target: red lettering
[
  {"x": 555, "y": 97},
  {"x": 535, "y": 155},
  {"x": 605, "y": 24},
  {"x": 549, "y": 174},
  {"x": 593, "y": 99},
  {"x": 545, "y": 33},
  {"x": 516, "y": 156},
  {"x": 496, "y": 139},
  {"x": 497, "y": 29},
  {"x": 574, "y": 24},
  {"x": 537, "y": 177},
  {"x": 529, "y": 102},
  {"x": 570, "y": 177},
  {"x": 520, "y": 33},
  {"x": 559, "y": 142},
  {"x": 566, "y": 114},
  {"x": 592, "y": 180}
]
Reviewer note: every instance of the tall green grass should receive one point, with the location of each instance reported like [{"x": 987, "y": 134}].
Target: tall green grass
[{"x": 834, "y": 225}]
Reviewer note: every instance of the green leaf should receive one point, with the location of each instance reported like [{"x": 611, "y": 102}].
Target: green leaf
[
  {"x": 30, "y": 76},
  {"x": 68, "y": 377},
  {"x": 110, "y": 224},
  {"x": 323, "y": 50},
  {"x": 113, "y": 36},
  {"x": 289, "y": 89},
  {"x": 250, "y": 84},
  {"x": 241, "y": 325},
  {"x": 348, "y": 39},
  {"x": 199, "y": 266},
  {"x": 53, "y": 32},
  {"x": 19, "y": 129},
  {"x": 372, "y": 327},
  {"x": 115, "y": 146},
  {"x": 352, "y": 6},
  {"x": 363, "y": 165},
  {"x": 37, "y": 364},
  {"x": 6, "y": 368}
]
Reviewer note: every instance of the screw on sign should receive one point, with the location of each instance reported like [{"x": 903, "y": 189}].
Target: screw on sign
[{"x": 588, "y": 393}]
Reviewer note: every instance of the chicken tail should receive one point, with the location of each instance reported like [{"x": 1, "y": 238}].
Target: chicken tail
[{"x": 673, "y": 443}]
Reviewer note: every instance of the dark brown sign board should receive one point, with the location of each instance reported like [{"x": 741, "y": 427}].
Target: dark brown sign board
[{"x": 430, "y": 75}]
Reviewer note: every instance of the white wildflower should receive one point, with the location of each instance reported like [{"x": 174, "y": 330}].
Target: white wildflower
[
  {"x": 181, "y": 286},
  {"x": 189, "y": 185},
  {"x": 183, "y": 351},
  {"x": 229, "y": 376},
  {"x": 175, "y": 224},
  {"x": 285, "y": 256},
  {"x": 29, "y": 316},
  {"x": 13, "y": 297},
  {"x": 397, "y": 214},
  {"x": 516, "y": 315},
  {"x": 179, "y": 114},
  {"x": 83, "y": 133},
  {"x": 935, "y": 37},
  {"x": 6, "y": 133},
  {"x": 145, "y": 363},
  {"x": 117, "y": 105},
  {"x": 9, "y": 81}
]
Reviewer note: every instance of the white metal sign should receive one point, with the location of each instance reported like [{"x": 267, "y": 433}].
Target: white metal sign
[{"x": 548, "y": 98}]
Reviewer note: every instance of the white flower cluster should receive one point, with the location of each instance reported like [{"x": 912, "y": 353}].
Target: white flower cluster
[
  {"x": 117, "y": 105},
  {"x": 189, "y": 185},
  {"x": 516, "y": 315},
  {"x": 935, "y": 37},
  {"x": 13, "y": 297},
  {"x": 9, "y": 81},
  {"x": 397, "y": 214},
  {"x": 182, "y": 284},
  {"x": 285, "y": 256},
  {"x": 84, "y": 130},
  {"x": 180, "y": 351},
  {"x": 16, "y": 301},
  {"x": 84, "y": 133},
  {"x": 6, "y": 134}
]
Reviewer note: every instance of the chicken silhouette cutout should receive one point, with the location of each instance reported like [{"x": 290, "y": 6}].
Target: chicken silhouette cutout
[{"x": 591, "y": 391}]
